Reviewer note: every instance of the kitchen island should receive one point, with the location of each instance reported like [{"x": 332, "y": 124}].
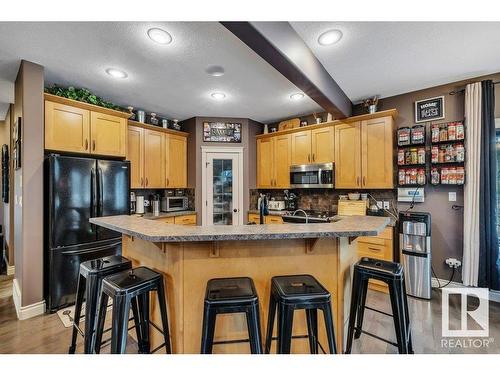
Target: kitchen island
[{"x": 189, "y": 256}]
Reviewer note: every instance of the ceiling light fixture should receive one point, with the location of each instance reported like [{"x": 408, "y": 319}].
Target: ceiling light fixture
[
  {"x": 159, "y": 36},
  {"x": 116, "y": 73},
  {"x": 218, "y": 95},
  {"x": 330, "y": 37},
  {"x": 215, "y": 70},
  {"x": 297, "y": 96}
]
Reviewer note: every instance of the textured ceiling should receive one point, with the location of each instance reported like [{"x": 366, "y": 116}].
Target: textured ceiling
[
  {"x": 167, "y": 79},
  {"x": 391, "y": 58}
]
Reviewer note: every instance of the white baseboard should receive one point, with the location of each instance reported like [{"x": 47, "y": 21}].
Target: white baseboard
[
  {"x": 11, "y": 270},
  {"x": 25, "y": 312},
  {"x": 494, "y": 294}
]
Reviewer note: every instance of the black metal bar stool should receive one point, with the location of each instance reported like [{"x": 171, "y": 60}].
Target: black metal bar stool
[
  {"x": 92, "y": 272},
  {"x": 227, "y": 296},
  {"x": 299, "y": 292},
  {"x": 130, "y": 289},
  {"x": 392, "y": 274}
]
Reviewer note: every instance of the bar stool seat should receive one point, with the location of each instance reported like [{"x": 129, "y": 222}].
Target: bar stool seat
[
  {"x": 294, "y": 292},
  {"x": 131, "y": 289},
  {"x": 231, "y": 295},
  {"x": 92, "y": 272},
  {"x": 392, "y": 274}
]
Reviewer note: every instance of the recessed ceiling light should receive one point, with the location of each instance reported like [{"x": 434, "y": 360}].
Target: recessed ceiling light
[
  {"x": 218, "y": 95},
  {"x": 159, "y": 36},
  {"x": 297, "y": 96},
  {"x": 330, "y": 37},
  {"x": 116, "y": 73},
  {"x": 215, "y": 70}
]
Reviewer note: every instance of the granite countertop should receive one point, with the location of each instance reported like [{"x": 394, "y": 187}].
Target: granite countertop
[
  {"x": 150, "y": 216},
  {"x": 157, "y": 231},
  {"x": 392, "y": 221}
]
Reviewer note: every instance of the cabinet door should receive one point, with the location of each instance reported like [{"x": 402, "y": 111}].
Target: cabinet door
[
  {"x": 282, "y": 156},
  {"x": 322, "y": 145},
  {"x": 265, "y": 162},
  {"x": 348, "y": 156},
  {"x": 301, "y": 147},
  {"x": 185, "y": 220},
  {"x": 108, "y": 134},
  {"x": 66, "y": 128},
  {"x": 377, "y": 153},
  {"x": 135, "y": 154},
  {"x": 176, "y": 163},
  {"x": 154, "y": 159}
]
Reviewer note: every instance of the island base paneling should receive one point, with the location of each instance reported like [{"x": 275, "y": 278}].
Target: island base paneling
[{"x": 188, "y": 266}]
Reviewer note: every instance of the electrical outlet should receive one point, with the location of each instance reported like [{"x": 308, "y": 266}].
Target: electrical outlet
[
  {"x": 452, "y": 196},
  {"x": 386, "y": 205},
  {"x": 380, "y": 205},
  {"x": 453, "y": 262}
]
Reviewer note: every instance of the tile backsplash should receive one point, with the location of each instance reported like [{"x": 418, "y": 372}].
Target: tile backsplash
[{"x": 320, "y": 199}]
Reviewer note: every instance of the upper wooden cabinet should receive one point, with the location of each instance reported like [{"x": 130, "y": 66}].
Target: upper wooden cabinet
[
  {"x": 348, "y": 156},
  {"x": 364, "y": 154},
  {"x": 108, "y": 134},
  {"x": 176, "y": 161},
  {"x": 67, "y": 128},
  {"x": 313, "y": 146},
  {"x": 158, "y": 158},
  {"x": 76, "y": 127},
  {"x": 273, "y": 162}
]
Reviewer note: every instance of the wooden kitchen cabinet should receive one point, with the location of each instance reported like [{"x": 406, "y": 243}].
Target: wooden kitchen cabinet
[
  {"x": 301, "y": 147},
  {"x": 154, "y": 159},
  {"x": 364, "y": 154},
  {"x": 176, "y": 154},
  {"x": 67, "y": 128},
  {"x": 77, "y": 127},
  {"x": 377, "y": 153},
  {"x": 322, "y": 145},
  {"x": 273, "y": 162},
  {"x": 273, "y": 219},
  {"x": 185, "y": 220},
  {"x": 348, "y": 156},
  {"x": 108, "y": 135},
  {"x": 135, "y": 154}
]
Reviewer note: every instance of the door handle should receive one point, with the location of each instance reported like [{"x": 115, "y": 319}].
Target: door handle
[
  {"x": 142, "y": 181},
  {"x": 99, "y": 177},
  {"x": 357, "y": 181},
  {"x": 309, "y": 157},
  {"x": 146, "y": 181},
  {"x": 314, "y": 157},
  {"x": 235, "y": 210},
  {"x": 168, "y": 181},
  {"x": 364, "y": 180},
  {"x": 93, "y": 145},
  {"x": 86, "y": 144}
]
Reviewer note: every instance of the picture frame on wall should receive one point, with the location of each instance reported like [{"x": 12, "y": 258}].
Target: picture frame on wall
[
  {"x": 17, "y": 138},
  {"x": 430, "y": 109}
]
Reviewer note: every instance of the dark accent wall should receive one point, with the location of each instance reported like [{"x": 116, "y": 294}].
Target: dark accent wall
[
  {"x": 447, "y": 224},
  {"x": 249, "y": 129}
]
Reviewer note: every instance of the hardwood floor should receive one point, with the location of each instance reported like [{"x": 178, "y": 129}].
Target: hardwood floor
[{"x": 46, "y": 334}]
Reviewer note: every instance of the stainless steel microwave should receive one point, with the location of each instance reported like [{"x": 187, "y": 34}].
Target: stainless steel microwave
[
  {"x": 309, "y": 176},
  {"x": 169, "y": 204}
]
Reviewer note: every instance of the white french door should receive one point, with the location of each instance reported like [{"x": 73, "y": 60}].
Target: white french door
[{"x": 222, "y": 186}]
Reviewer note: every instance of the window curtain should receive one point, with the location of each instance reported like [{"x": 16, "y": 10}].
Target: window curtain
[
  {"x": 489, "y": 263},
  {"x": 470, "y": 261}
]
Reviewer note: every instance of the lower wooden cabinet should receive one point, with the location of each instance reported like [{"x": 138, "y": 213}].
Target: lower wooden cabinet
[
  {"x": 378, "y": 247},
  {"x": 270, "y": 219},
  {"x": 180, "y": 220}
]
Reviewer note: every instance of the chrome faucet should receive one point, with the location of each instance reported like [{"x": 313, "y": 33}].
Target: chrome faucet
[{"x": 305, "y": 214}]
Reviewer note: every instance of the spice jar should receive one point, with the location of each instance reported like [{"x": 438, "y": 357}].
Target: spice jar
[
  {"x": 441, "y": 155},
  {"x": 444, "y": 176},
  {"x": 448, "y": 156},
  {"x": 460, "y": 130},
  {"x": 408, "y": 177},
  {"x": 402, "y": 176},
  {"x": 460, "y": 152},
  {"x": 421, "y": 155},
  {"x": 408, "y": 157},
  {"x": 452, "y": 131},
  {"x": 401, "y": 157},
  {"x": 435, "y": 133},
  {"x": 434, "y": 176},
  {"x": 443, "y": 133},
  {"x": 404, "y": 136},
  {"x": 418, "y": 134},
  {"x": 460, "y": 175},
  {"x": 421, "y": 177},
  {"x": 413, "y": 176},
  {"x": 434, "y": 154},
  {"x": 413, "y": 156},
  {"x": 452, "y": 176}
]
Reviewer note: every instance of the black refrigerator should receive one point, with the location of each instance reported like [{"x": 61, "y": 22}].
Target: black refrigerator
[{"x": 77, "y": 189}]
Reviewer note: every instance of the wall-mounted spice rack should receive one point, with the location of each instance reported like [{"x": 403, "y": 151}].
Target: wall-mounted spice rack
[
  {"x": 448, "y": 153},
  {"x": 412, "y": 156}
]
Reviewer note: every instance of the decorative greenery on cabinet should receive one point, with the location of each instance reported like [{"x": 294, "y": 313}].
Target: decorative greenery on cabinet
[{"x": 82, "y": 95}]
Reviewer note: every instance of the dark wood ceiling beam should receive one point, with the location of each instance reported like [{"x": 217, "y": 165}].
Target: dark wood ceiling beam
[{"x": 280, "y": 45}]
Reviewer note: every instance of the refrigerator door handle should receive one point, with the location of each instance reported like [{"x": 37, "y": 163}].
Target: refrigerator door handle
[
  {"x": 93, "y": 196},
  {"x": 100, "y": 202}
]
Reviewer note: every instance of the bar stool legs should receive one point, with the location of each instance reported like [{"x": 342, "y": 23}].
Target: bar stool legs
[{"x": 80, "y": 290}]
